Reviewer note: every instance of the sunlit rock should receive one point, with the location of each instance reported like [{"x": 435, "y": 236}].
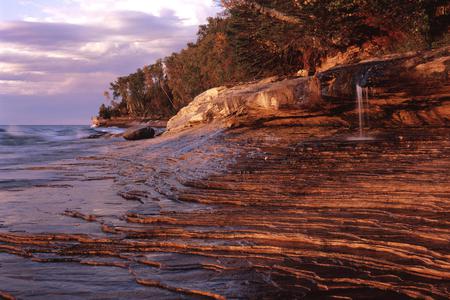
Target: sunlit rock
[{"x": 408, "y": 90}]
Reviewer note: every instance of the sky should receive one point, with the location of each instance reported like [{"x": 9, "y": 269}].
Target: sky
[{"x": 57, "y": 57}]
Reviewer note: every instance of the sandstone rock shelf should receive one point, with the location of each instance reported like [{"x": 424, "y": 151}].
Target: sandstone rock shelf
[
  {"x": 300, "y": 214},
  {"x": 257, "y": 195},
  {"x": 405, "y": 91}
]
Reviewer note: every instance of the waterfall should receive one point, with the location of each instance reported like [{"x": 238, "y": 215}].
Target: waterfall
[{"x": 362, "y": 102}]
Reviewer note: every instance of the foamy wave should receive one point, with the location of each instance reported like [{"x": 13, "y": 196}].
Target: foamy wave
[
  {"x": 113, "y": 130},
  {"x": 26, "y": 135}
]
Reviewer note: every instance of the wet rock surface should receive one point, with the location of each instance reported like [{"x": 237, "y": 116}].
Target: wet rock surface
[
  {"x": 139, "y": 133},
  {"x": 273, "y": 211},
  {"x": 268, "y": 196}
]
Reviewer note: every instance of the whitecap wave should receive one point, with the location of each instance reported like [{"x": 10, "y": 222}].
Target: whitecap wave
[
  {"x": 112, "y": 130},
  {"x": 15, "y": 135}
]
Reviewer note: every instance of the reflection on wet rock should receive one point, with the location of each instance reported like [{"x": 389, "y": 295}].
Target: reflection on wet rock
[{"x": 243, "y": 213}]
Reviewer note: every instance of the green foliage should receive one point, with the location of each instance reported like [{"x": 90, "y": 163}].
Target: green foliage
[
  {"x": 210, "y": 62},
  {"x": 261, "y": 49},
  {"x": 279, "y": 36},
  {"x": 144, "y": 93},
  {"x": 104, "y": 112}
]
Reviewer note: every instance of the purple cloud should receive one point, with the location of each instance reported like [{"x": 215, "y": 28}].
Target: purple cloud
[
  {"x": 123, "y": 25},
  {"x": 42, "y": 63},
  {"x": 44, "y": 35}
]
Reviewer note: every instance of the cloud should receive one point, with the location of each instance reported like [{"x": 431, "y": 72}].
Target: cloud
[
  {"x": 41, "y": 57},
  {"x": 191, "y": 12},
  {"x": 63, "y": 48},
  {"x": 43, "y": 35},
  {"x": 122, "y": 26},
  {"x": 128, "y": 41}
]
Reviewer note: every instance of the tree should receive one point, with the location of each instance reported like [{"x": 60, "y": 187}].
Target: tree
[
  {"x": 253, "y": 39},
  {"x": 272, "y": 33},
  {"x": 158, "y": 90},
  {"x": 209, "y": 62},
  {"x": 104, "y": 112}
]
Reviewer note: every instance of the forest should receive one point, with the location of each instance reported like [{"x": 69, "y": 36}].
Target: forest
[{"x": 251, "y": 40}]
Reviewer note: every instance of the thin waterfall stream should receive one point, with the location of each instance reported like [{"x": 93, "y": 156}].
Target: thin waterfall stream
[{"x": 362, "y": 103}]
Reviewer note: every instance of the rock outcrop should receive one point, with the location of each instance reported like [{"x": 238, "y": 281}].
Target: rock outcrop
[
  {"x": 408, "y": 90},
  {"x": 126, "y": 122},
  {"x": 412, "y": 90},
  {"x": 244, "y": 103},
  {"x": 139, "y": 133}
]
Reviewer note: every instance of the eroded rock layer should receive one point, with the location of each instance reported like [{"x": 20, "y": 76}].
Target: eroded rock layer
[
  {"x": 269, "y": 196},
  {"x": 273, "y": 211},
  {"x": 405, "y": 91}
]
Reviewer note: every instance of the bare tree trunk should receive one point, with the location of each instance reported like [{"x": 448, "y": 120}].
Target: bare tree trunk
[
  {"x": 273, "y": 13},
  {"x": 270, "y": 12}
]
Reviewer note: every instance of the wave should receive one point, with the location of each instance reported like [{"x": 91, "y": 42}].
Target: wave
[
  {"x": 28, "y": 135},
  {"x": 112, "y": 130}
]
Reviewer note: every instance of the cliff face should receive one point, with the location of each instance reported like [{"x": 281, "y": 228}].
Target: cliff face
[
  {"x": 409, "y": 90},
  {"x": 403, "y": 91}
]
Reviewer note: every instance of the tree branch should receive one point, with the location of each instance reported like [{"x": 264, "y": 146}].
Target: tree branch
[{"x": 270, "y": 12}]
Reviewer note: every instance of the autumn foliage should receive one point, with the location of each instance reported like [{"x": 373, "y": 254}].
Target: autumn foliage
[{"x": 256, "y": 39}]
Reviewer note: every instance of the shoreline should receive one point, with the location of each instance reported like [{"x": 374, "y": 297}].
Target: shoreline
[
  {"x": 128, "y": 122},
  {"x": 241, "y": 205}
]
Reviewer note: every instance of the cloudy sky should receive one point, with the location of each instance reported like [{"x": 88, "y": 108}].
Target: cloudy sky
[{"x": 58, "y": 56}]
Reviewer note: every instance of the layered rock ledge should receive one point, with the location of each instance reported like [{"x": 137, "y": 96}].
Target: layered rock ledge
[
  {"x": 411, "y": 90},
  {"x": 264, "y": 198}
]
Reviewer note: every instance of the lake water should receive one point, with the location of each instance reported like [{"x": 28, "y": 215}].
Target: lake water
[
  {"x": 46, "y": 171},
  {"x": 31, "y": 144}
]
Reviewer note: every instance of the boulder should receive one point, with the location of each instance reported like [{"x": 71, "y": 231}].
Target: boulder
[
  {"x": 139, "y": 133},
  {"x": 243, "y": 103}
]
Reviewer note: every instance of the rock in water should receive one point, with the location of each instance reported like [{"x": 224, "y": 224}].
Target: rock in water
[
  {"x": 96, "y": 135},
  {"x": 139, "y": 133}
]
